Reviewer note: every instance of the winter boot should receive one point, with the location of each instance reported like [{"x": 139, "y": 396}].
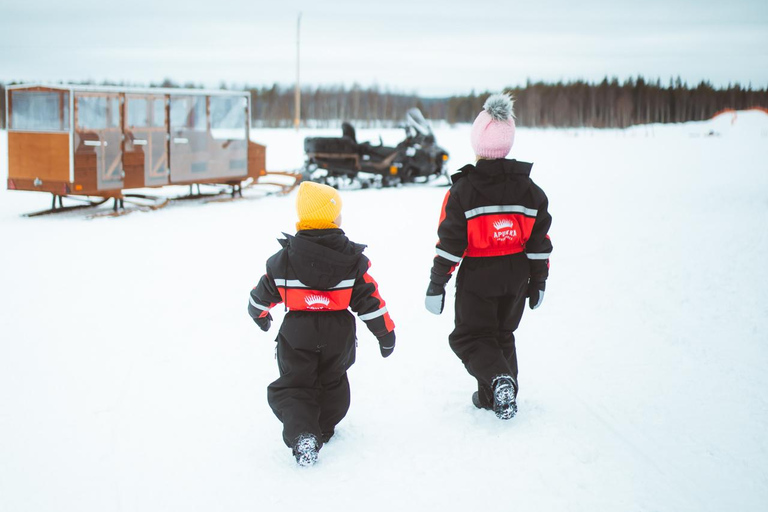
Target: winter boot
[
  {"x": 504, "y": 391},
  {"x": 326, "y": 436},
  {"x": 305, "y": 449},
  {"x": 483, "y": 397}
]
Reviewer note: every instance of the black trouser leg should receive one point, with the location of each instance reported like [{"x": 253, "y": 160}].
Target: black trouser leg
[
  {"x": 293, "y": 397},
  {"x": 312, "y": 393},
  {"x": 334, "y": 404},
  {"x": 475, "y": 337},
  {"x": 335, "y": 395},
  {"x": 490, "y": 300},
  {"x": 510, "y": 313}
]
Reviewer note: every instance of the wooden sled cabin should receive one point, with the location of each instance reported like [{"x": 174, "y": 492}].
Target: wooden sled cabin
[{"x": 98, "y": 141}]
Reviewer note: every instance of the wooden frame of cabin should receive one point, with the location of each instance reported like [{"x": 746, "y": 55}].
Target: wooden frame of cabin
[{"x": 98, "y": 141}]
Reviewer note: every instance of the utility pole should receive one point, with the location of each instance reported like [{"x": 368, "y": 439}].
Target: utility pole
[{"x": 297, "y": 93}]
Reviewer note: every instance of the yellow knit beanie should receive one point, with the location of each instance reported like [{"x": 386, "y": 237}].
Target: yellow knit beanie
[{"x": 317, "y": 206}]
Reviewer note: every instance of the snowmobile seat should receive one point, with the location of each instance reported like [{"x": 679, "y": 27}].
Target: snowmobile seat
[
  {"x": 330, "y": 145},
  {"x": 380, "y": 151}
]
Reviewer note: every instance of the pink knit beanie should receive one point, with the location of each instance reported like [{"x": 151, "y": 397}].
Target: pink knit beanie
[{"x": 493, "y": 132}]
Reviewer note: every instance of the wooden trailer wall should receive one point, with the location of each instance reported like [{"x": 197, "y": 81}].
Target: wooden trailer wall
[
  {"x": 39, "y": 139},
  {"x": 98, "y": 142}
]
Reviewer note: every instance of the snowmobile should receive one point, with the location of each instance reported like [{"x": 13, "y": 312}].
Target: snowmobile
[{"x": 344, "y": 162}]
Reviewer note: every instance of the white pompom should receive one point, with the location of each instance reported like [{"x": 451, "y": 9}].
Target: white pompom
[{"x": 499, "y": 107}]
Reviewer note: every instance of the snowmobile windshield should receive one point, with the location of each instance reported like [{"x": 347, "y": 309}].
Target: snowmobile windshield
[{"x": 416, "y": 120}]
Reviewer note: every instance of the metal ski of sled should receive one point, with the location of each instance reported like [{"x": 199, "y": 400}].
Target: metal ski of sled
[{"x": 269, "y": 183}]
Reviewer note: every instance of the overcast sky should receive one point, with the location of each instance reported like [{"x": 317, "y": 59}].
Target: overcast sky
[{"x": 428, "y": 47}]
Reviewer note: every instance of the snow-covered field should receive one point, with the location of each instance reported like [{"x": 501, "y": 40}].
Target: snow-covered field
[{"x": 132, "y": 379}]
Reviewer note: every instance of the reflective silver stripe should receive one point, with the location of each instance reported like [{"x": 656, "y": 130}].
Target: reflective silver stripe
[
  {"x": 530, "y": 212},
  {"x": 293, "y": 283},
  {"x": 538, "y": 255},
  {"x": 257, "y": 305},
  {"x": 448, "y": 256},
  {"x": 344, "y": 284},
  {"x": 375, "y": 314}
]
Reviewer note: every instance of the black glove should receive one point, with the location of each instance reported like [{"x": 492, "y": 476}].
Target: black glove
[
  {"x": 435, "y": 300},
  {"x": 264, "y": 322},
  {"x": 536, "y": 292},
  {"x": 387, "y": 344}
]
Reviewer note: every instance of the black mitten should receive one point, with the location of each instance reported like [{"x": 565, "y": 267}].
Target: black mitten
[
  {"x": 536, "y": 292},
  {"x": 435, "y": 300},
  {"x": 264, "y": 322},
  {"x": 387, "y": 344}
]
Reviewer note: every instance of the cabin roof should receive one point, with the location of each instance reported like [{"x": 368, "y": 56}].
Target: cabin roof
[{"x": 129, "y": 90}]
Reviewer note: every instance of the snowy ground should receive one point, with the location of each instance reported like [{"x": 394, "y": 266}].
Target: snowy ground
[{"x": 132, "y": 379}]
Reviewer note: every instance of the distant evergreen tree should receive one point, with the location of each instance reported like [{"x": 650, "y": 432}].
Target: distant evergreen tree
[{"x": 606, "y": 104}]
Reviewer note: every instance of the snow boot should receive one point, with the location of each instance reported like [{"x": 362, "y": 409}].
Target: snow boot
[
  {"x": 326, "y": 436},
  {"x": 477, "y": 402},
  {"x": 504, "y": 391},
  {"x": 305, "y": 449}
]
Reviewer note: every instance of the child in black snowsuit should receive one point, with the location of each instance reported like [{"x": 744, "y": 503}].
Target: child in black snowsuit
[
  {"x": 494, "y": 221},
  {"x": 319, "y": 274}
]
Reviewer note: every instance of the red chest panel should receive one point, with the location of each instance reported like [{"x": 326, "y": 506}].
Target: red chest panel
[
  {"x": 498, "y": 234},
  {"x": 303, "y": 299}
]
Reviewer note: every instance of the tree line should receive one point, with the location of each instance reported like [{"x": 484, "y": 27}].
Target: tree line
[
  {"x": 329, "y": 106},
  {"x": 611, "y": 104},
  {"x": 605, "y": 104}
]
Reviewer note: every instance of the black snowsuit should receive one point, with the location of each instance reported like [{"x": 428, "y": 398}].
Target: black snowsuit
[
  {"x": 318, "y": 274},
  {"x": 494, "y": 222}
]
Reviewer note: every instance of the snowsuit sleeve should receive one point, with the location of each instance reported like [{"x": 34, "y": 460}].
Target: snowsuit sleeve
[
  {"x": 452, "y": 240},
  {"x": 539, "y": 246},
  {"x": 263, "y": 297},
  {"x": 369, "y": 305}
]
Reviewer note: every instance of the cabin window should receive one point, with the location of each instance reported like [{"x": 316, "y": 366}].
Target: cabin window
[
  {"x": 189, "y": 112},
  {"x": 113, "y": 111},
  {"x": 158, "y": 112},
  {"x": 98, "y": 112},
  {"x": 228, "y": 117},
  {"x": 137, "y": 113},
  {"x": 38, "y": 111}
]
